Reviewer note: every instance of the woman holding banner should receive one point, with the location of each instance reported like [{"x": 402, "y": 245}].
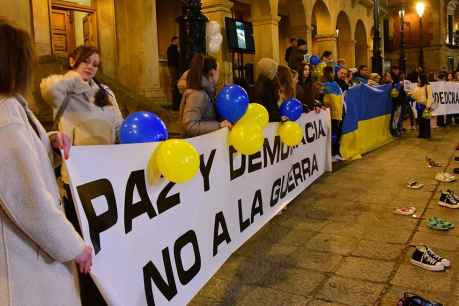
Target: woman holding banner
[
  {"x": 422, "y": 94},
  {"x": 197, "y": 109},
  {"x": 38, "y": 245}
]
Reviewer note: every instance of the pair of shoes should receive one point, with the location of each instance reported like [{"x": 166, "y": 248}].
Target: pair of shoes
[
  {"x": 413, "y": 184},
  {"x": 439, "y": 224},
  {"x": 431, "y": 163},
  {"x": 427, "y": 259},
  {"x": 410, "y": 299},
  {"x": 449, "y": 199},
  {"x": 445, "y": 177}
]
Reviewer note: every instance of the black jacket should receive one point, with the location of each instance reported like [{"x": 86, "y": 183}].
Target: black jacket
[
  {"x": 267, "y": 94},
  {"x": 173, "y": 56}
]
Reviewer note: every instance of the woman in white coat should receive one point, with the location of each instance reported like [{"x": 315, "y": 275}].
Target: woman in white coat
[
  {"x": 37, "y": 244},
  {"x": 88, "y": 112}
]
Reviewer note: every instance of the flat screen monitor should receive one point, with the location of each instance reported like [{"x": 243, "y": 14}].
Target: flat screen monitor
[{"x": 240, "y": 36}]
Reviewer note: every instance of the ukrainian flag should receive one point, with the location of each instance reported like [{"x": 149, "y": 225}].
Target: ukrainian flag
[
  {"x": 333, "y": 98},
  {"x": 367, "y": 120}
]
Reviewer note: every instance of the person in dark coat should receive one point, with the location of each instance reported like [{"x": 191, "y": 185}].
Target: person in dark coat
[
  {"x": 267, "y": 88},
  {"x": 173, "y": 60},
  {"x": 297, "y": 55},
  {"x": 293, "y": 45}
]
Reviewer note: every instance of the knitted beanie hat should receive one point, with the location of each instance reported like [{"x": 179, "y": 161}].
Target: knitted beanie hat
[{"x": 267, "y": 67}]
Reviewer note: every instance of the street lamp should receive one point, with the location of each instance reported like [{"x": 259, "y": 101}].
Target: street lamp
[
  {"x": 420, "y": 9},
  {"x": 402, "y": 61},
  {"x": 377, "y": 58}
]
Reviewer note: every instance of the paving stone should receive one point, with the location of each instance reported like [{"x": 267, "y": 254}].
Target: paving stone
[
  {"x": 378, "y": 250},
  {"x": 350, "y": 291},
  {"x": 332, "y": 243},
  {"x": 313, "y": 260},
  {"x": 250, "y": 296},
  {"x": 437, "y": 240},
  {"x": 415, "y": 278},
  {"x": 366, "y": 269},
  {"x": 323, "y": 303},
  {"x": 294, "y": 281}
]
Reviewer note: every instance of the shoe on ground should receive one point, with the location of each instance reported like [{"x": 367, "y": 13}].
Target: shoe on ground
[
  {"x": 405, "y": 211},
  {"x": 410, "y": 299},
  {"x": 457, "y": 147},
  {"x": 448, "y": 200},
  {"x": 456, "y": 158},
  {"x": 453, "y": 194},
  {"x": 431, "y": 163},
  {"x": 456, "y": 170},
  {"x": 423, "y": 260},
  {"x": 413, "y": 184},
  {"x": 445, "y": 177},
  {"x": 443, "y": 261}
]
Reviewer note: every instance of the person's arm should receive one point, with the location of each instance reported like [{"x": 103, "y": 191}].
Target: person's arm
[
  {"x": 117, "y": 116},
  {"x": 181, "y": 84},
  {"x": 25, "y": 200},
  {"x": 55, "y": 88},
  {"x": 192, "y": 116}
]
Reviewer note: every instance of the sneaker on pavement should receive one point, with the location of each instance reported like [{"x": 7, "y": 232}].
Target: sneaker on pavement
[
  {"x": 447, "y": 200},
  {"x": 431, "y": 163},
  {"x": 413, "y": 184},
  {"x": 453, "y": 194},
  {"x": 423, "y": 260},
  {"x": 444, "y": 261},
  {"x": 445, "y": 177}
]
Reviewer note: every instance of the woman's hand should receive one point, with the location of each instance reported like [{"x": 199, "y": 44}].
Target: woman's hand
[
  {"x": 225, "y": 124},
  {"x": 84, "y": 260},
  {"x": 60, "y": 141},
  {"x": 317, "y": 109},
  {"x": 284, "y": 118}
]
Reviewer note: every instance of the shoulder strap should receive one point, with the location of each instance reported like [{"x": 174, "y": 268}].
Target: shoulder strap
[{"x": 60, "y": 112}]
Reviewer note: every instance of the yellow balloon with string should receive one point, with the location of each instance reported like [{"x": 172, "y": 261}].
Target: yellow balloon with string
[
  {"x": 247, "y": 138},
  {"x": 176, "y": 159},
  {"x": 256, "y": 114},
  {"x": 291, "y": 133}
]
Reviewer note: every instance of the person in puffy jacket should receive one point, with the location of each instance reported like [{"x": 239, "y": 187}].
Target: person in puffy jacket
[{"x": 197, "y": 109}]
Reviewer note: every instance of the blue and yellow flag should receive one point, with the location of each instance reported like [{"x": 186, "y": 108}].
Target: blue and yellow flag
[
  {"x": 333, "y": 98},
  {"x": 367, "y": 120}
]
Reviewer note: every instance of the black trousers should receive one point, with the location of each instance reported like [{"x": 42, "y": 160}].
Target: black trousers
[
  {"x": 424, "y": 124},
  {"x": 337, "y": 127},
  {"x": 90, "y": 294}
]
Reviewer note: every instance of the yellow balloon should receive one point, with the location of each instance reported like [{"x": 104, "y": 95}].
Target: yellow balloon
[
  {"x": 153, "y": 174},
  {"x": 177, "y": 160},
  {"x": 247, "y": 139},
  {"x": 256, "y": 114},
  {"x": 291, "y": 133}
]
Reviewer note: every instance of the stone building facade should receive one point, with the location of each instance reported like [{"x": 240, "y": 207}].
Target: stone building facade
[
  {"x": 133, "y": 35},
  {"x": 440, "y": 34}
]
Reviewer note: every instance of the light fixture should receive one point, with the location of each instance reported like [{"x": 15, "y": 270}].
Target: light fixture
[
  {"x": 420, "y": 8},
  {"x": 337, "y": 32},
  {"x": 401, "y": 13}
]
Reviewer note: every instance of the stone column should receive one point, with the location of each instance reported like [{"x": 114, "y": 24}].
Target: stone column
[
  {"x": 347, "y": 51},
  {"x": 266, "y": 34},
  {"x": 41, "y": 27},
  {"x": 138, "y": 47},
  {"x": 326, "y": 42},
  {"x": 218, "y": 10}
]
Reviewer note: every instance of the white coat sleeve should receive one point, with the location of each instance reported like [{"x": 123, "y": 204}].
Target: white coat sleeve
[{"x": 26, "y": 201}]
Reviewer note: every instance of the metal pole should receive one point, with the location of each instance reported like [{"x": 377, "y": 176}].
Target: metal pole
[
  {"x": 402, "y": 61},
  {"x": 421, "y": 52},
  {"x": 377, "y": 58}
]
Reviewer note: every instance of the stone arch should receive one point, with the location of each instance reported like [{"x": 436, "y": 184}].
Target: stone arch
[
  {"x": 323, "y": 35},
  {"x": 345, "y": 42},
  {"x": 361, "y": 45}
]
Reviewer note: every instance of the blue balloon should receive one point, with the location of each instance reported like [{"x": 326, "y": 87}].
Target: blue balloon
[
  {"x": 232, "y": 103},
  {"x": 292, "y": 109},
  {"x": 143, "y": 127},
  {"x": 314, "y": 60}
]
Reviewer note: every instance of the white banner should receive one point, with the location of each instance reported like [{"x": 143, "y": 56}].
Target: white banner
[
  {"x": 445, "y": 96},
  {"x": 159, "y": 245}
]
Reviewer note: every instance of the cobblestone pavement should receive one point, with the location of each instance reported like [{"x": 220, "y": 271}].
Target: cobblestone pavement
[{"x": 340, "y": 244}]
